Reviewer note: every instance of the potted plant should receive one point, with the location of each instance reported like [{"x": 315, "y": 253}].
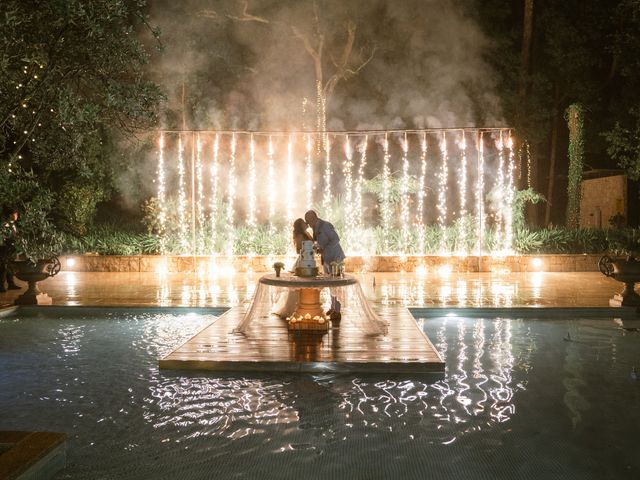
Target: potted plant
[
  {"x": 623, "y": 267},
  {"x": 38, "y": 246},
  {"x": 278, "y": 266}
]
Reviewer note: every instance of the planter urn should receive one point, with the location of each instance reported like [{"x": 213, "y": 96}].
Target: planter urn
[
  {"x": 32, "y": 273},
  {"x": 627, "y": 271}
]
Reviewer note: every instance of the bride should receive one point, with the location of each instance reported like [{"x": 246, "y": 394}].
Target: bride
[{"x": 288, "y": 299}]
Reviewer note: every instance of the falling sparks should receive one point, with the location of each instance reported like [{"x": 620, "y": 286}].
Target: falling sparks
[
  {"x": 200, "y": 193},
  {"x": 385, "y": 206},
  {"x": 182, "y": 200},
  {"x": 273, "y": 182},
  {"x": 509, "y": 196},
  {"x": 499, "y": 190},
  {"x": 162, "y": 205},
  {"x": 290, "y": 191},
  {"x": 422, "y": 193},
  {"x": 404, "y": 195},
  {"x": 462, "y": 189},
  {"x": 326, "y": 200},
  {"x": 251, "y": 187},
  {"x": 480, "y": 194},
  {"x": 271, "y": 187},
  {"x": 443, "y": 177},
  {"x": 309, "y": 173},
  {"x": 360, "y": 182},
  {"x": 347, "y": 173},
  {"x": 215, "y": 180},
  {"x": 231, "y": 193}
]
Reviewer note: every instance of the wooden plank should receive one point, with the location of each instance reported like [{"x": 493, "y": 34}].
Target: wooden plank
[
  {"x": 268, "y": 346},
  {"x": 32, "y": 453}
]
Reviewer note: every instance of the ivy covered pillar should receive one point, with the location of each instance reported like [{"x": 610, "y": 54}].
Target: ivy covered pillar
[{"x": 575, "y": 120}]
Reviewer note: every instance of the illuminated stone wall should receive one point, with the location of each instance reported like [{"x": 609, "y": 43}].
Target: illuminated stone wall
[{"x": 421, "y": 264}]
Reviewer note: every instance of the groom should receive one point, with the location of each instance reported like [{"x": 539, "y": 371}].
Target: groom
[{"x": 330, "y": 251}]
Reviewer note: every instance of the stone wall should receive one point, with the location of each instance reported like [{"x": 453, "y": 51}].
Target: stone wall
[
  {"x": 204, "y": 264},
  {"x": 601, "y": 199}
]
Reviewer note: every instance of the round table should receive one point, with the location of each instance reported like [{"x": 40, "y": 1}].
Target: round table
[{"x": 309, "y": 314}]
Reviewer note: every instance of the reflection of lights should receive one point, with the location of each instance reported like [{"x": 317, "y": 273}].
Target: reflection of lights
[
  {"x": 445, "y": 270},
  {"x": 162, "y": 268}
]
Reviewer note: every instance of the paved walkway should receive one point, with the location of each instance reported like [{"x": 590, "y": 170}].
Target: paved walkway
[{"x": 408, "y": 289}]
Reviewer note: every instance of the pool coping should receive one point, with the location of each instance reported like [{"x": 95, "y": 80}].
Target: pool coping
[
  {"x": 32, "y": 455},
  {"x": 417, "y": 312}
]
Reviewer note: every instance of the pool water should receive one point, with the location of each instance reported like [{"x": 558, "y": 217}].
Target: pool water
[{"x": 520, "y": 399}]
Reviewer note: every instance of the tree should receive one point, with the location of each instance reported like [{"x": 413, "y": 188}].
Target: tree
[
  {"x": 329, "y": 69},
  {"x": 71, "y": 81},
  {"x": 623, "y": 136},
  {"x": 577, "y": 56}
]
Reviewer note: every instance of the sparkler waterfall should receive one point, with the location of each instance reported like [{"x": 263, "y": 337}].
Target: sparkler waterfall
[{"x": 387, "y": 192}]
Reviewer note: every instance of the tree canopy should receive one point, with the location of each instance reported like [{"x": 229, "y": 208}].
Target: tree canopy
[{"x": 72, "y": 80}]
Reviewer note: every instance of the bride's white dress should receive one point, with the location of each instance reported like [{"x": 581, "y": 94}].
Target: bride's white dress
[
  {"x": 286, "y": 303},
  {"x": 286, "y": 300}
]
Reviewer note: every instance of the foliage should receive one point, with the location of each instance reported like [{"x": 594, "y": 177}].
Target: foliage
[
  {"x": 375, "y": 185},
  {"x": 624, "y": 147},
  {"x": 520, "y": 200},
  {"x": 37, "y": 236},
  {"x": 78, "y": 202},
  {"x": 582, "y": 52},
  {"x": 575, "y": 119},
  {"x": 72, "y": 76},
  {"x": 112, "y": 240}
]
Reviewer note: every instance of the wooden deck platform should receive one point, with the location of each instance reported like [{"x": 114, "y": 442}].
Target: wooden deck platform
[{"x": 268, "y": 346}]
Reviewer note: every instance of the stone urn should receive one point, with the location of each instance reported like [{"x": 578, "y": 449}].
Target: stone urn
[
  {"x": 32, "y": 273},
  {"x": 627, "y": 271}
]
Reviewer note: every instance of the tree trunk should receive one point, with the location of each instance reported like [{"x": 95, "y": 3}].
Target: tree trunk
[
  {"x": 525, "y": 55},
  {"x": 555, "y": 130},
  {"x": 531, "y": 167}
]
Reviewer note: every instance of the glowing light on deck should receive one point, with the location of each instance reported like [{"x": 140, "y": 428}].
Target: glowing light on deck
[
  {"x": 445, "y": 270},
  {"x": 536, "y": 263}
]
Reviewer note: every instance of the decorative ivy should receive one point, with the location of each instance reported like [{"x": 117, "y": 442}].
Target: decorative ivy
[{"x": 574, "y": 116}]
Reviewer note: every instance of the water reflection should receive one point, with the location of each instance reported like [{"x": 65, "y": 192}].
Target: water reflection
[
  {"x": 478, "y": 390},
  {"x": 418, "y": 291},
  {"x": 410, "y": 289}
]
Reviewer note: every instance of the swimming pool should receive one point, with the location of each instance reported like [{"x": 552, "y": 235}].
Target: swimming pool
[{"x": 520, "y": 399}]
